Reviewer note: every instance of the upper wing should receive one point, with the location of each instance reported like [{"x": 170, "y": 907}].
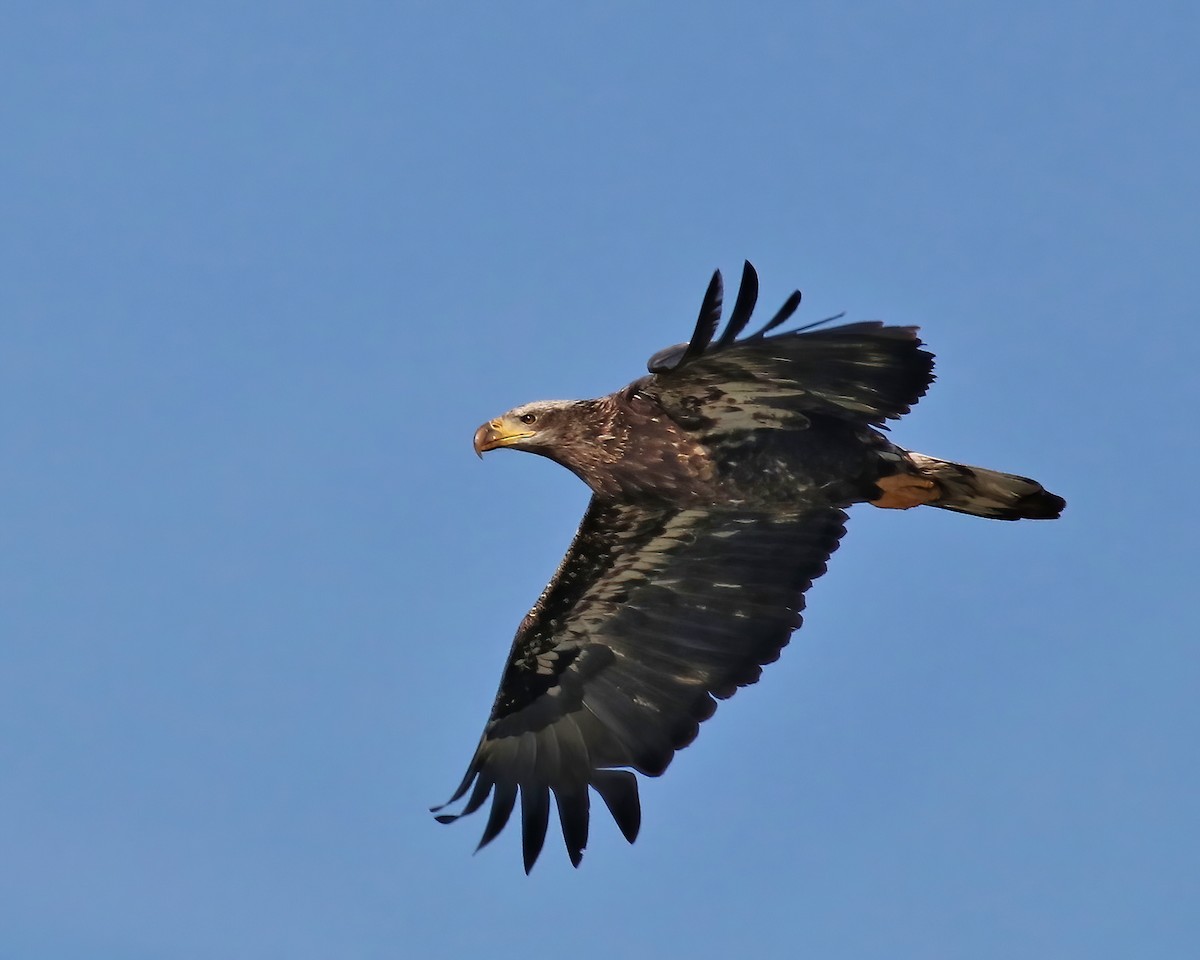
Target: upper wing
[
  {"x": 651, "y": 614},
  {"x": 864, "y": 372}
]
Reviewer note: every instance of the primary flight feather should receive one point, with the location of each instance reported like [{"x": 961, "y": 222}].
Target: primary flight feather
[{"x": 719, "y": 484}]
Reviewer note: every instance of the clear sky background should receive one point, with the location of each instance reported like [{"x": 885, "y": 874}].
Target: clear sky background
[{"x": 266, "y": 267}]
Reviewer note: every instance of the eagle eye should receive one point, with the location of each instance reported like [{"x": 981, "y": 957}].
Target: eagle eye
[{"x": 528, "y": 417}]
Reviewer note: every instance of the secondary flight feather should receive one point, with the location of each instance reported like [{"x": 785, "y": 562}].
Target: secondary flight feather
[{"x": 719, "y": 488}]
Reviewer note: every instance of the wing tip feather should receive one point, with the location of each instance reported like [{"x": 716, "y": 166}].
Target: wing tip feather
[
  {"x": 619, "y": 791},
  {"x": 675, "y": 357}
]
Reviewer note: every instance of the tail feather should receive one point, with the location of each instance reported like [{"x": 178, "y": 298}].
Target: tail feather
[{"x": 987, "y": 493}]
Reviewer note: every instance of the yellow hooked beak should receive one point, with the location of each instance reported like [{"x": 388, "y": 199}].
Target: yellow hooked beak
[{"x": 500, "y": 432}]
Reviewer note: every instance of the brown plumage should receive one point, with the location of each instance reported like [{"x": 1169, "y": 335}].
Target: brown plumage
[{"x": 720, "y": 483}]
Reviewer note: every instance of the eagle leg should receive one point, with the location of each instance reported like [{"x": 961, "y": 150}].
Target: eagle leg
[{"x": 902, "y": 491}]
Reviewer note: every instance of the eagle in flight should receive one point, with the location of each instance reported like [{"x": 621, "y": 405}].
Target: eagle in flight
[{"x": 719, "y": 486}]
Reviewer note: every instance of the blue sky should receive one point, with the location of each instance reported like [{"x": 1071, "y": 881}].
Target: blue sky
[{"x": 268, "y": 266}]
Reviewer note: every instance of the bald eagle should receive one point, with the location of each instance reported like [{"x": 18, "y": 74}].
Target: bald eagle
[{"x": 719, "y": 488}]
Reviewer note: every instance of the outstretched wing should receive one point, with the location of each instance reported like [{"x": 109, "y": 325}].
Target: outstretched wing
[
  {"x": 652, "y": 614},
  {"x": 863, "y": 372}
]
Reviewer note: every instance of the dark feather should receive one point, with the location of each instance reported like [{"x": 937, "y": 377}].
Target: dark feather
[
  {"x": 782, "y": 315},
  {"x": 573, "y": 817},
  {"x": 535, "y": 817},
  {"x": 502, "y": 808},
  {"x": 708, "y": 321},
  {"x": 619, "y": 791},
  {"x": 706, "y": 325},
  {"x": 820, "y": 323},
  {"x": 742, "y": 308},
  {"x": 478, "y": 796},
  {"x": 459, "y": 791}
]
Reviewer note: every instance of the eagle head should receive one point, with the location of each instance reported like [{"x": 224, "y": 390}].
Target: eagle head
[{"x": 538, "y": 427}]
